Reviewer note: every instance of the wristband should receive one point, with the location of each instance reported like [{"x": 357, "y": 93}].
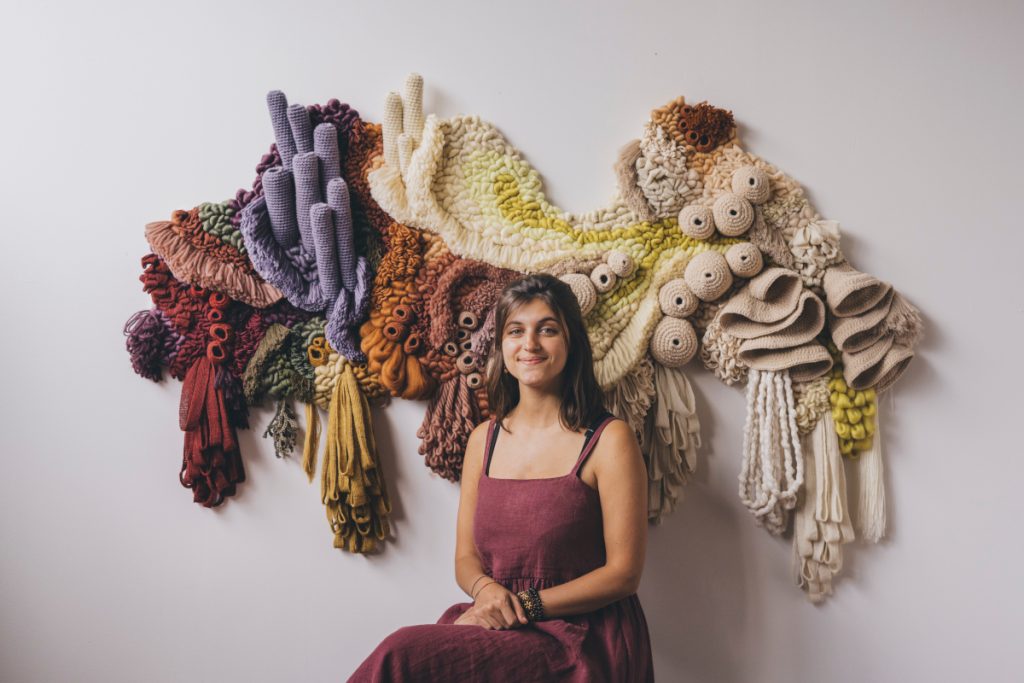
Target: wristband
[
  {"x": 530, "y": 600},
  {"x": 483, "y": 587},
  {"x": 482, "y": 576}
]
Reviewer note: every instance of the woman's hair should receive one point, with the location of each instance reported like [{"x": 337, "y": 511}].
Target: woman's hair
[{"x": 582, "y": 399}]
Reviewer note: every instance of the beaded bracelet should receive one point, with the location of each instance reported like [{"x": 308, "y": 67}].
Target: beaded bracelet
[{"x": 530, "y": 600}]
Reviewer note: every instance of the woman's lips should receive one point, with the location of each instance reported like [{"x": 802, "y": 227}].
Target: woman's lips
[{"x": 530, "y": 361}]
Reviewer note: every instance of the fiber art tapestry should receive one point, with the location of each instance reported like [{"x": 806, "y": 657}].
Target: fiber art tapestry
[{"x": 365, "y": 260}]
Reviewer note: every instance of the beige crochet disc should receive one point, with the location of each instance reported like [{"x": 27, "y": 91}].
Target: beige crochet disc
[
  {"x": 621, "y": 263},
  {"x": 850, "y": 292},
  {"x": 752, "y": 184},
  {"x": 676, "y": 299},
  {"x": 603, "y": 277},
  {"x": 804, "y": 362},
  {"x": 584, "y": 290},
  {"x": 857, "y": 332},
  {"x": 674, "y": 342},
  {"x": 733, "y": 214},
  {"x": 744, "y": 260},
  {"x": 708, "y": 275},
  {"x": 697, "y": 221}
]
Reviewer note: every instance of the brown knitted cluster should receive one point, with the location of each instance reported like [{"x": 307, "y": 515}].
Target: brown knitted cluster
[{"x": 701, "y": 127}]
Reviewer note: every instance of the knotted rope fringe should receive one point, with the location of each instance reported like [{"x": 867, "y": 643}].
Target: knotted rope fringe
[{"x": 772, "y": 470}]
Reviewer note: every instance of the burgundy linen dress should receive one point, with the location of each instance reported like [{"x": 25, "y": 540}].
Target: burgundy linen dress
[{"x": 529, "y": 532}]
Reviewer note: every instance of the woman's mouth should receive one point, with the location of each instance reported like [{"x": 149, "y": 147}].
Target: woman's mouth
[{"x": 530, "y": 361}]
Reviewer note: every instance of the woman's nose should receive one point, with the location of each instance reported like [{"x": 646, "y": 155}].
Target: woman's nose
[{"x": 532, "y": 340}]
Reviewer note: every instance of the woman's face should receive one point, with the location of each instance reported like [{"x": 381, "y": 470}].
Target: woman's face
[{"x": 534, "y": 346}]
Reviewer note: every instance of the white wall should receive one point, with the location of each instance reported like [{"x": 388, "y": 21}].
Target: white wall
[{"x": 902, "y": 121}]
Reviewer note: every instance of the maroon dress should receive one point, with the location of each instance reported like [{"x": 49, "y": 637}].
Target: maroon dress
[{"x": 529, "y": 532}]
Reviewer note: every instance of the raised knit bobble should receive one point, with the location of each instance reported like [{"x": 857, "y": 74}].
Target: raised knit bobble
[
  {"x": 752, "y": 184},
  {"x": 467, "y": 363},
  {"x": 468, "y": 320},
  {"x": 677, "y": 299},
  {"x": 744, "y": 259},
  {"x": 733, "y": 214},
  {"x": 621, "y": 263},
  {"x": 403, "y": 314},
  {"x": 474, "y": 380},
  {"x": 674, "y": 342},
  {"x": 584, "y": 290},
  {"x": 603, "y": 277},
  {"x": 708, "y": 275},
  {"x": 395, "y": 331},
  {"x": 450, "y": 349},
  {"x": 413, "y": 344},
  {"x": 697, "y": 221},
  {"x": 462, "y": 334}
]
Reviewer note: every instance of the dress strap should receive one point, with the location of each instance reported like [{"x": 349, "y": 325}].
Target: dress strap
[
  {"x": 492, "y": 436},
  {"x": 590, "y": 441}
]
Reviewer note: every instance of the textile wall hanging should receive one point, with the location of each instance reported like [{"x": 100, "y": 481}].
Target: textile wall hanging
[{"x": 365, "y": 260}]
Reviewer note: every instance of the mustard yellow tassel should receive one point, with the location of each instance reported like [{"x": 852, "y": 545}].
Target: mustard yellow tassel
[
  {"x": 351, "y": 482},
  {"x": 312, "y": 442}
]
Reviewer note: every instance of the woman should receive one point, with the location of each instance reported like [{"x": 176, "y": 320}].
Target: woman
[{"x": 552, "y": 520}]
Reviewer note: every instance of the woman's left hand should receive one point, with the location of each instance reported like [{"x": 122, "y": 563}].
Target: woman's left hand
[{"x": 496, "y": 607}]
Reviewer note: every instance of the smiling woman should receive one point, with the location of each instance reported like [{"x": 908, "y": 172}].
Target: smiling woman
[{"x": 551, "y": 528}]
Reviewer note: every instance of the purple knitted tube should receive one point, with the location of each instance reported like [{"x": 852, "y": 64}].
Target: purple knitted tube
[
  {"x": 277, "y": 103},
  {"x": 279, "y": 189},
  {"x": 325, "y": 144},
  {"x": 321, "y": 217},
  {"x": 302, "y": 129},
  {"x": 306, "y": 167},
  {"x": 338, "y": 200}
]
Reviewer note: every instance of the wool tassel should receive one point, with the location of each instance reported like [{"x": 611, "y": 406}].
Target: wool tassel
[
  {"x": 822, "y": 522},
  {"x": 312, "y": 441},
  {"x": 671, "y": 440},
  {"x": 211, "y": 463},
  {"x": 351, "y": 482},
  {"x": 871, "y": 518}
]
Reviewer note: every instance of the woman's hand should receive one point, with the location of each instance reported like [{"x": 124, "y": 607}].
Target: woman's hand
[{"x": 495, "y": 607}]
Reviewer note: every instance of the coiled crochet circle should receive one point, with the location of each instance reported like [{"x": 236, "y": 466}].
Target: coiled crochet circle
[
  {"x": 708, "y": 275},
  {"x": 697, "y": 221},
  {"x": 468, "y": 320},
  {"x": 676, "y": 298},
  {"x": 584, "y": 290},
  {"x": 744, "y": 259},
  {"x": 474, "y": 380},
  {"x": 466, "y": 345},
  {"x": 462, "y": 334},
  {"x": 604, "y": 278},
  {"x": 450, "y": 349},
  {"x": 395, "y": 331},
  {"x": 674, "y": 342},
  {"x": 621, "y": 263},
  {"x": 733, "y": 214},
  {"x": 467, "y": 363},
  {"x": 403, "y": 314},
  {"x": 752, "y": 184}
]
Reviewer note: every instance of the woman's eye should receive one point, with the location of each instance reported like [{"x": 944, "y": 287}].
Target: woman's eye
[{"x": 550, "y": 330}]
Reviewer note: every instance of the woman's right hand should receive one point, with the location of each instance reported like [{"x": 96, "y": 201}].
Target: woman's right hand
[{"x": 498, "y": 607}]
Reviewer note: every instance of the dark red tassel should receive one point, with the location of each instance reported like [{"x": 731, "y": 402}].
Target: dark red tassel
[{"x": 212, "y": 463}]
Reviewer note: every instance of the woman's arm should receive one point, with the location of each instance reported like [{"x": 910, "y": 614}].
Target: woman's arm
[
  {"x": 622, "y": 486},
  {"x": 494, "y": 606},
  {"x": 468, "y": 566}
]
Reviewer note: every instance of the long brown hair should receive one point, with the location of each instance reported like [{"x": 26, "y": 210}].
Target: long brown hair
[{"x": 582, "y": 399}]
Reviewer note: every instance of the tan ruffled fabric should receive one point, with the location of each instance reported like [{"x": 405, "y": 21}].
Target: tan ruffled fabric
[{"x": 196, "y": 267}]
